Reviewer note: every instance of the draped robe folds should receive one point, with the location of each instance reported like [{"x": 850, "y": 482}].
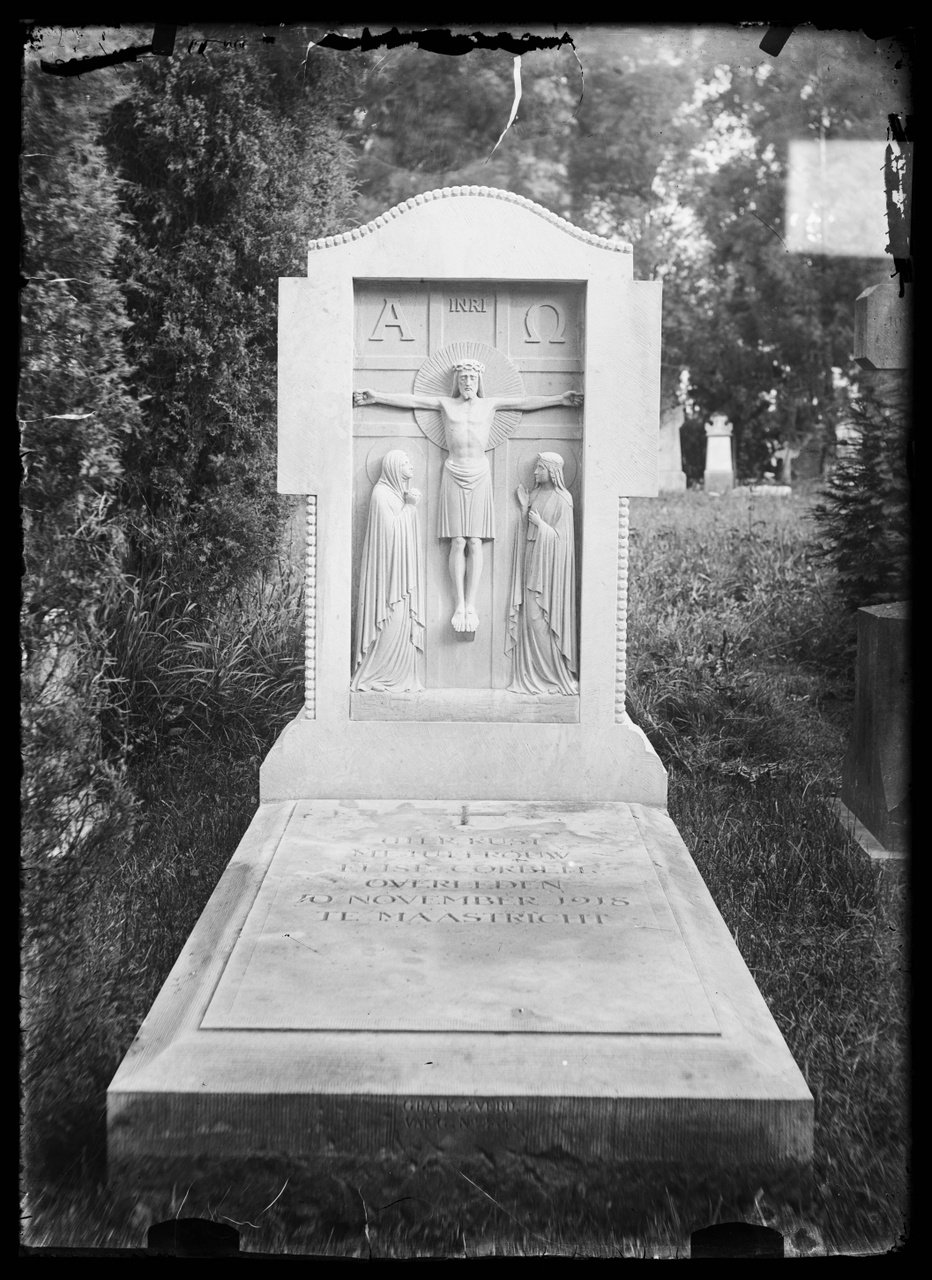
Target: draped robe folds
[
  {"x": 466, "y": 505},
  {"x": 389, "y": 626},
  {"x": 542, "y": 618}
]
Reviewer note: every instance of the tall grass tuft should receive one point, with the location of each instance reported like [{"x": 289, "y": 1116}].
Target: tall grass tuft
[{"x": 190, "y": 676}]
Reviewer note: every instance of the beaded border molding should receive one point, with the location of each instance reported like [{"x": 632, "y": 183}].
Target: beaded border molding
[
  {"x": 621, "y": 612},
  {"x": 493, "y": 193},
  {"x": 310, "y": 610}
]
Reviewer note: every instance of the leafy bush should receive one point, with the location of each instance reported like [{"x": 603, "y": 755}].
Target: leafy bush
[{"x": 864, "y": 512}]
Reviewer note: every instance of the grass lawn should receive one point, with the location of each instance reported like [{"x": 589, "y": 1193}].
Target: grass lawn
[
  {"x": 741, "y": 672},
  {"x": 743, "y": 677}
]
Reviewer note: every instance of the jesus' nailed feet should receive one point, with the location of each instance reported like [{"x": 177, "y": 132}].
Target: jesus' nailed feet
[{"x": 465, "y": 619}]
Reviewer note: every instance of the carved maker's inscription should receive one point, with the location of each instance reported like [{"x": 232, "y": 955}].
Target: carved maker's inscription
[{"x": 456, "y": 1114}]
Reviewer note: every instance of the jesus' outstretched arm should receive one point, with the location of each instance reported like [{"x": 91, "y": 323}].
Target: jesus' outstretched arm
[
  {"x": 529, "y": 403},
  {"x": 399, "y": 400}
]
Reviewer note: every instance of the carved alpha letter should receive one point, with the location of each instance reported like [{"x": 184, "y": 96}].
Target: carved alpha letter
[{"x": 392, "y": 317}]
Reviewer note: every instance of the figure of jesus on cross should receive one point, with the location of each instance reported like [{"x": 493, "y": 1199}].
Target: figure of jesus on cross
[{"x": 467, "y": 515}]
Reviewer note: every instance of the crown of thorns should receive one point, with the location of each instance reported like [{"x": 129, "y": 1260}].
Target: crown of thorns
[{"x": 469, "y": 366}]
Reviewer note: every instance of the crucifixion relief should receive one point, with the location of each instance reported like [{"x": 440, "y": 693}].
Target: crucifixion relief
[{"x": 466, "y": 500}]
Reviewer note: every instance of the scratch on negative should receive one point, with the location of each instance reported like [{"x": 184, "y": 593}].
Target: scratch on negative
[
  {"x": 770, "y": 228},
  {"x": 514, "y": 106},
  {"x": 582, "y": 79},
  {"x": 310, "y": 948}
]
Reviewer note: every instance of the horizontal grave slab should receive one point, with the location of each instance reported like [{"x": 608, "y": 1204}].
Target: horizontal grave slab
[
  {"x": 412, "y": 921},
  {"x": 549, "y": 1029}
]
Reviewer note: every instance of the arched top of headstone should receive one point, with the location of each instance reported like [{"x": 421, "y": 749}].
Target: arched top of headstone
[{"x": 490, "y": 193}]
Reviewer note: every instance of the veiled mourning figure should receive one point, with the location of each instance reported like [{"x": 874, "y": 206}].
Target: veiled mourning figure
[
  {"x": 542, "y": 619},
  {"x": 389, "y": 621}
]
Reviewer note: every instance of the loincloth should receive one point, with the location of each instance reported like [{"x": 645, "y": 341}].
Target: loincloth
[{"x": 466, "y": 505}]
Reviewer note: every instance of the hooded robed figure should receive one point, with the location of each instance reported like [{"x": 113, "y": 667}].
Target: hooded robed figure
[
  {"x": 389, "y": 620},
  {"x": 542, "y": 618}
]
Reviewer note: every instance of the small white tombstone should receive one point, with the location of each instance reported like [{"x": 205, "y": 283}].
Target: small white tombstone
[
  {"x": 672, "y": 475},
  {"x": 719, "y": 465}
]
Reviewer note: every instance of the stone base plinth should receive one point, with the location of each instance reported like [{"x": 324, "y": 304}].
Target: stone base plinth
[
  {"x": 718, "y": 481},
  {"x": 486, "y": 706},
  {"x": 895, "y": 859},
  {"x": 395, "y": 746},
  {"x": 672, "y": 482},
  {"x": 380, "y": 984}
]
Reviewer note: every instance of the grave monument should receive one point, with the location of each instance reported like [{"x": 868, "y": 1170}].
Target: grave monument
[
  {"x": 719, "y": 475},
  {"x": 874, "y": 805},
  {"x": 462, "y": 928},
  {"x": 672, "y": 477}
]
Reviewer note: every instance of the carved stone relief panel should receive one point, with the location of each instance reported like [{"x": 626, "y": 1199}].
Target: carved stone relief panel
[{"x": 427, "y": 354}]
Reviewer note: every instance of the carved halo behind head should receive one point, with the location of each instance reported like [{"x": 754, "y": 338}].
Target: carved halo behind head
[{"x": 498, "y": 377}]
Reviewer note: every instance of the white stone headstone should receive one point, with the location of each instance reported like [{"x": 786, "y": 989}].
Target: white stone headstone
[
  {"x": 546, "y": 310},
  {"x": 719, "y": 474},
  {"x": 672, "y": 475}
]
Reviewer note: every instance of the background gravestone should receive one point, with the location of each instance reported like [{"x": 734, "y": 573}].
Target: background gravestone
[
  {"x": 672, "y": 475},
  {"x": 874, "y": 803},
  {"x": 719, "y": 475},
  {"x": 672, "y": 416},
  {"x": 876, "y": 769}
]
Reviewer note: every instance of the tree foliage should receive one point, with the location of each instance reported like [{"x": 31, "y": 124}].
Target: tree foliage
[
  {"x": 774, "y": 324},
  {"x": 75, "y": 410},
  {"x": 864, "y": 513},
  {"x": 678, "y": 141},
  {"x": 230, "y": 162},
  {"x": 75, "y": 404}
]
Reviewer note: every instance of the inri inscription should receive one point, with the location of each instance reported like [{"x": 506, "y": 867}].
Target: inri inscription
[{"x": 444, "y": 929}]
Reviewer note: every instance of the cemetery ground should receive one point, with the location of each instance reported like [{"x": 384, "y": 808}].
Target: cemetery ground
[{"x": 742, "y": 675}]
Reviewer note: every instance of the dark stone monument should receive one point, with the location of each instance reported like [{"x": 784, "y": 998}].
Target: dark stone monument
[{"x": 875, "y": 775}]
